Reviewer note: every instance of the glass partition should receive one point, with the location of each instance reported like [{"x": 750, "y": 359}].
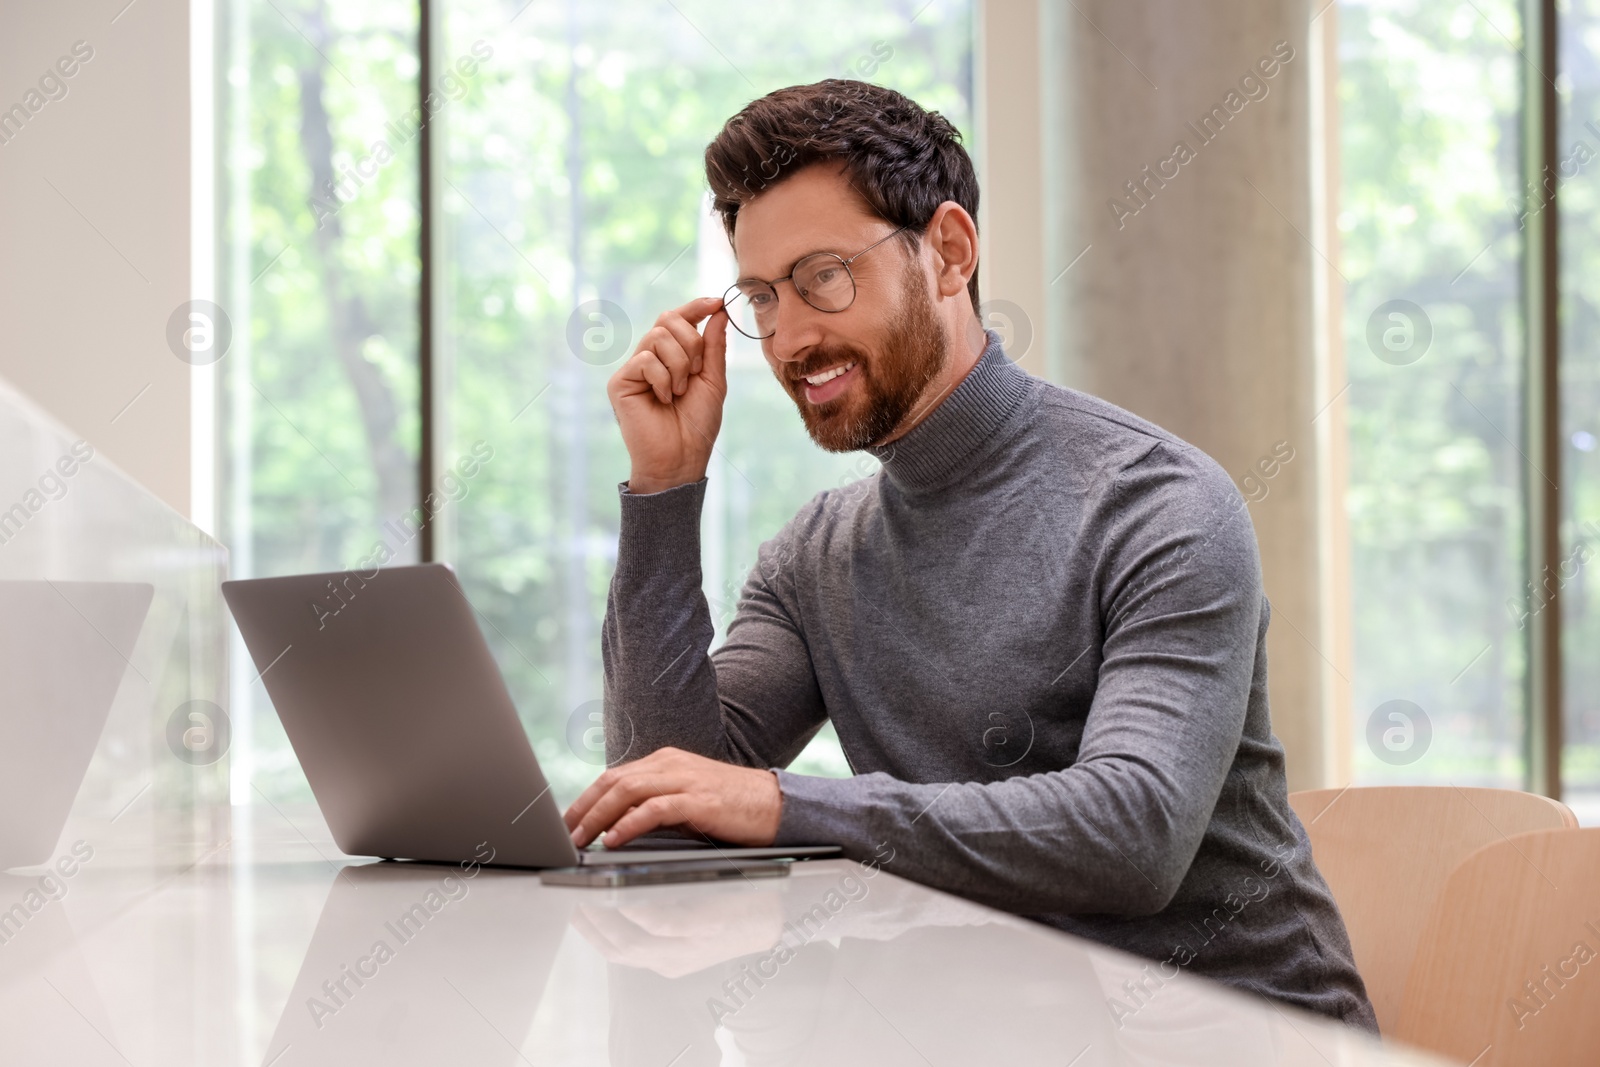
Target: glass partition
[{"x": 114, "y": 733}]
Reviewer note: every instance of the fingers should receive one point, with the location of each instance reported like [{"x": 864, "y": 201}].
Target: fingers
[
  {"x": 672, "y": 350},
  {"x": 663, "y": 810},
  {"x": 698, "y": 308},
  {"x": 682, "y": 348},
  {"x": 598, "y": 788},
  {"x": 580, "y": 807},
  {"x": 677, "y": 345},
  {"x": 655, "y": 372},
  {"x": 698, "y": 344},
  {"x": 671, "y": 787},
  {"x": 608, "y": 780},
  {"x": 714, "y": 365},
  {"x": 618, "y": 791},
  {"x": 633, "y": 798},
  {"x": 669, "y": 351}
]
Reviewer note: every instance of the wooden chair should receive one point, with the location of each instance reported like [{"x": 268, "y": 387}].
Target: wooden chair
[
  {"x": 1508, "y": 965},
  {"x": 1386, "y": 852}
]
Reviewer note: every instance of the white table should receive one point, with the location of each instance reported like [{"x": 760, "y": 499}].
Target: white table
[{"x": 244, "y": 937}]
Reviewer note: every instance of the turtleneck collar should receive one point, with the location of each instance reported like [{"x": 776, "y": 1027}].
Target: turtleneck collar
[{"x": 937, "y": 450}]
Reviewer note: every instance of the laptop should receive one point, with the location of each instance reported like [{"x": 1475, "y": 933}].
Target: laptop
[{"x": 408, "y": 736}]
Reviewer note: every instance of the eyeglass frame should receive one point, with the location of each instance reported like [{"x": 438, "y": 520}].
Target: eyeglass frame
[{"x": 773, "y": 285}]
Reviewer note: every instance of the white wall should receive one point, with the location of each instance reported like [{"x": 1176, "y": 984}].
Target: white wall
[
  {"x": 1013, "y": 277},
  {"x": 95, "y": 226}
]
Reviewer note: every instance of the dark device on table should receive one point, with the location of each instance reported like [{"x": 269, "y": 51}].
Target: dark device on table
[{"x": 618, "y": 874}]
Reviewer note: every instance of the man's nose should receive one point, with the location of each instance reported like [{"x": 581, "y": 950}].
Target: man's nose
[{"x": 797, "y": 329}]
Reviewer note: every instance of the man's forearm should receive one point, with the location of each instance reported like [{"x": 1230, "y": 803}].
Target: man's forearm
[
  {"x": 659, "y": 686},
  {"x": 754, "y": 703},
  {"x": 1062, "y": 842}
]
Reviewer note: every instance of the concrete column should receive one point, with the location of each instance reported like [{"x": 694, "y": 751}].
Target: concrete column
[{"x": 1178, "y": 156}]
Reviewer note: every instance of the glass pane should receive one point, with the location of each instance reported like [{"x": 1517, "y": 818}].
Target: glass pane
[
  {"x": 1429, "y": 98},
  {"x": 114, "y": 729},
  {"x": 320, "y": 264},
  {"x": 576, "y": 211},
  {"x": 1577, "y": 576}
]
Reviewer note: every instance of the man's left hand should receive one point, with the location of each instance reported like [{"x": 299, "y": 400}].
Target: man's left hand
[{"x": 671, "y": 787}]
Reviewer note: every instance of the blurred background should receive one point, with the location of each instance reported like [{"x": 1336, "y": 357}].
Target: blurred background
[{"x": 1346, "y": 247}]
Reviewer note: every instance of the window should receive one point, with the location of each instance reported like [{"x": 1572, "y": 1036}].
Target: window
[
  {"x": 1577, "y": 571},
  {"x": 1458, "y": 480},
  {"x": 570, "y": 210},
  {"x": 319, "y": 272},
  {"x": 1429, "y": 102}
]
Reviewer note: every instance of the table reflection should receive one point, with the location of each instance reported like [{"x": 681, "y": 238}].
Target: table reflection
[
  {"x": 425, "y": 964},
  {"x": 836, "y": 964}
]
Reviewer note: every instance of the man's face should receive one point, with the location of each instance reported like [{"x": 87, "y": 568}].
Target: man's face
[{"x": 888, "y": 344}]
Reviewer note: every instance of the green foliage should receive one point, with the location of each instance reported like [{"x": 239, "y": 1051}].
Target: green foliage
[
  {"x": 1429, "y": 107},
  {"x": 618, "y": 106},
  {"x": 571, "y": 161},
  {"x": 571, "y": 167}
]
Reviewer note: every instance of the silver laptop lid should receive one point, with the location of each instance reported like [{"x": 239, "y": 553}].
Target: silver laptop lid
[{"x": 399, "y": 716}]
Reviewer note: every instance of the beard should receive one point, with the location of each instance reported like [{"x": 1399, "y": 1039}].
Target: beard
[{"x": 914, "y": 352}]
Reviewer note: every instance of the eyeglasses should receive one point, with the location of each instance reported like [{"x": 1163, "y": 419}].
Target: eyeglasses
[{"x": 822, "y": 279}]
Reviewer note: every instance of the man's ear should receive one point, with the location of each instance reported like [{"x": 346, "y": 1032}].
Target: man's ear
[{"x": 952, "y": 236}]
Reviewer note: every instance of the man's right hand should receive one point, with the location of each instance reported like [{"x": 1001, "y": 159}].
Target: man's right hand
[{"x": 668, "y": 396}]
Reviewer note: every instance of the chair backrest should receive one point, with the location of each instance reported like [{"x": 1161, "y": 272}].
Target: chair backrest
[
  {"x": 1386, "y": 851},
  {"x": 1508, "y": 964}
]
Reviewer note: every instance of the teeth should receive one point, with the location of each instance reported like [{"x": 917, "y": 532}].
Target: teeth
[{"x": 828, "y": 376}]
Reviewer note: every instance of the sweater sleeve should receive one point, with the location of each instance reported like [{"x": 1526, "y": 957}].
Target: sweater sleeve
[
  {"x": 754, "y": 702},
  {"x": 1115, "y": 832}
]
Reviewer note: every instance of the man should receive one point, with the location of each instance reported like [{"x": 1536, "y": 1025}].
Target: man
[{"x": 1039, "y": 630}]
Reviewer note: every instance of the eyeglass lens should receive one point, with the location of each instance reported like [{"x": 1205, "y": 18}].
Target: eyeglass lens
[{"x": 822, "y": 280}]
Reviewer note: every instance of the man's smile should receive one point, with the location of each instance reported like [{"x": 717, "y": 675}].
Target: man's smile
[{"x": 826, "y": 385}]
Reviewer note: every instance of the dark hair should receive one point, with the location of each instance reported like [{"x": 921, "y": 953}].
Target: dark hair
[{"x": 903, "y": 160}]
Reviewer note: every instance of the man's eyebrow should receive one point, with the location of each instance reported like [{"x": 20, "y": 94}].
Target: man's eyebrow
[{"x": 792, "y": 263}]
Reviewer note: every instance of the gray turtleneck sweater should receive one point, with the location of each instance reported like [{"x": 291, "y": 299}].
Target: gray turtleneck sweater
[{"x": 1040, "y": 634}]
